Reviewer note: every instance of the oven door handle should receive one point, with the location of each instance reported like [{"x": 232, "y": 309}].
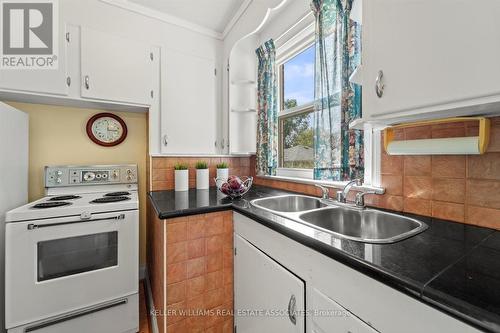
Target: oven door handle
[{"x": 33, "y": 226}]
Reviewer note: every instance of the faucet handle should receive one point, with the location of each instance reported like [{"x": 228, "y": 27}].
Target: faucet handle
[
  {"x": 358, "y": 181},
  {"x": 360, "y": 198},
  {"x": 325, "y": 190}
]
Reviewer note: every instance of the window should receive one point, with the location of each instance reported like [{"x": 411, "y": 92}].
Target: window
[{"x": 296, "y": 133}]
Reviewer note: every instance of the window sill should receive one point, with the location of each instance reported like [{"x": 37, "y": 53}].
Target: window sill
[{"x": 333, "y": 184}]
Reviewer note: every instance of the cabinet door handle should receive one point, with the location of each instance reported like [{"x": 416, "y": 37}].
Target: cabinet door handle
[
  {"x": 292, "y": 309},
  {"x": 379, "y": 86},
  {"x": 87, "y": 82},
  {"x": 165, "y": 140},
  {"x": 222, "y": 144}
]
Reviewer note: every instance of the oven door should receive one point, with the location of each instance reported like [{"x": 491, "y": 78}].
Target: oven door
[{"x": 59, "y": 265}]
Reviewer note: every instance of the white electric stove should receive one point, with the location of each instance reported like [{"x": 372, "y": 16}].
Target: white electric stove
[{"x": 72, "y": 257}]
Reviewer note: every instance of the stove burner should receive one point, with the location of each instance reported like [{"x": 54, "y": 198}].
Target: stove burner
[
  {"x": 117, "y": 194},
  {"x": 65, "y": 197},
  {"x": 51, "y": 204},
  {"x": 110, "y": 199}
]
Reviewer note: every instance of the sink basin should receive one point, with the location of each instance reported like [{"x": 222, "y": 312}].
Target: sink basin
[
  {"x": 368, "y": 225},
  {"x": 289, "y": 203}
]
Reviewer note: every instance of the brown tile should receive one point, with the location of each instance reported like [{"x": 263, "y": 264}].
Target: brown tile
[
  {"x": 176, "y": 272},
  {"x": 451, "y": 132},
  {"x": 196, "y": 248},
  {"x": 214, "y": 262},
  {"x": 196, "y": 227},
  {"x": 484, "y": 217},
  {"x": 176, "y": 231},
  {"x": 176, "y": 292},
  {"x": 214, "y": 280},
  {"x": 228, "y": 240},
  {"x": 485, "y": 166},
  {"x": 484, "y": 193},
  {"x": 417, "y": 206},
  {"x": 214, "y": 224},
  {"x": 228, "y": 293},
  {"x": 420, "y": 132},
  {"x": 214, "y": 243},
  {"x": 178, "y": 327},
  {"x": 228, "y": 276},
  {"x": 448, "y": 189},
  {"x": 228, "y": 222},
  {"x": 393, "y": 184},
  {"x": 448, "y": 166},
  {"x": 386, "y": 201},
  {"x": 175, "y": 313},
  {"x": 213, "y": 298},
  {"x": 227, "y": 326},
  {"x": 159, "y": 174},
  {"x": 418, "y": 187},
  {"x": 195, "y": 267},
  {"x": 448, "y": 211},
  {"x": 392, "y": 165},
  {"x": 176, "y": 252},
  {"x": 195, "y": 286},
  {"x": 417, "y": 165},
  {"x": 227, "y": 257}
]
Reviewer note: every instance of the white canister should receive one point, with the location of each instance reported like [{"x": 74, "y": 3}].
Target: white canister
[
  {"x": 223, "y": 174},
  {"x": 181, "y": 180},
  {"x": 202, "y": 179}
]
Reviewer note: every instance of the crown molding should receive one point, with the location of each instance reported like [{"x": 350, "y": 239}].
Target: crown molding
[
  {"x": 155, "y": 14},
  {"x": 241, "y": 10}
]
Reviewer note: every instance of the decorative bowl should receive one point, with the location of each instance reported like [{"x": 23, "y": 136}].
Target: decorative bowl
[{"x": 234, "y": 186}]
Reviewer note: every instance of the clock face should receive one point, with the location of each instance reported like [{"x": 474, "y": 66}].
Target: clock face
[{"x": 106, "y": 129}]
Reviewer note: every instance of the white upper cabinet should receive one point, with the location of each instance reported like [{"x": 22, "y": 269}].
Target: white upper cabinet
[
  {"x": 43, "y": 81},
  {"x": 188, "y": 104},
  {"x": 438, "y": 58},
  {"x": 115, "y": 69}
]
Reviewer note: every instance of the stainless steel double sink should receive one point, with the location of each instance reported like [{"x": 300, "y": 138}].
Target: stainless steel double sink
[{"x": 363, "y": 225}]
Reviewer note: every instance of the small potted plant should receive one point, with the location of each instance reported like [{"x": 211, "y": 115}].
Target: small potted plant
[
  {"x": 222, "y": 171},
  {"x": 201, "y": 175},
  {"x": 181, "y": 177}
]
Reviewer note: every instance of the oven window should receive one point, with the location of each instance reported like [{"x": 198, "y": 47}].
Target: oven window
[{"x": 73, "y": 255}]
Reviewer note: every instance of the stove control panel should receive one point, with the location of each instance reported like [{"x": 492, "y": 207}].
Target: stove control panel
[{"x": 59, "y": 176}]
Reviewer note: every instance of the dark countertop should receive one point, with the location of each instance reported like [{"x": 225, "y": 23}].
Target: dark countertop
[{"x": 451, "y": 266}]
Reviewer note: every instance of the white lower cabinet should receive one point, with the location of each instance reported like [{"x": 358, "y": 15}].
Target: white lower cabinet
[
  {"x": 338, "y": 298},
  {"x": 329, "y": 316},
  {"x": 268, "y": 298}
]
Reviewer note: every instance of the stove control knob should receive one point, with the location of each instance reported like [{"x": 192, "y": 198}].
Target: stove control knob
[
  {"x": 89, "y": 176},
  {"x": 59, "y": 173},
  {"x": 115, "y": 174},
  {"x": 58, "y": 180}
]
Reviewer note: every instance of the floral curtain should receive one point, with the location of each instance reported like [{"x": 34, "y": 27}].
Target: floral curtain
[
  {"x": 267, "y": 111},
  {"x": 338, "y": 151}
]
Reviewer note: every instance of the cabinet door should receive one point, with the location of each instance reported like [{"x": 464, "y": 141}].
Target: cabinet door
[
  {"x": 115, "y": 69},
  {"x": 188, "y": 112},
  {"x": 264, "y": 291},
  {"x": 41, "y": 81},
  {"x": 435, "y": 55},
  {"x": 330, "y": 317}
]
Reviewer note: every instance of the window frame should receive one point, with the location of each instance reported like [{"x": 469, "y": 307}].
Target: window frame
[
  {"x": 372, "y": 134},
  {"x": 283, "y": 113}
]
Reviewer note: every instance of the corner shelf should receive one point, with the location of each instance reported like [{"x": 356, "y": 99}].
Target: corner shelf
[
  {"x": 242, "y": 82},
  {"x": 243, "y": 110}
]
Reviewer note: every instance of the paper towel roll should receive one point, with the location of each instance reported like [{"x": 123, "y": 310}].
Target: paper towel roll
[{"x": 446, "y": 146}]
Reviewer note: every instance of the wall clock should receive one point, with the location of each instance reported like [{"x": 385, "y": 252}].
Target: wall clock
[{"x": 106, "y": 129}]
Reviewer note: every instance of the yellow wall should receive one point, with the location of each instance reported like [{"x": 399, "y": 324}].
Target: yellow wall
[{"x": 58, "y": 137}]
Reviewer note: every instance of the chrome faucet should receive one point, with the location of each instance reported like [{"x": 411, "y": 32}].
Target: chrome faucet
[
  {"x": 325, "y": 190},
  {"x": 360, "y": 198},
  {"x": 342, "y": 195}
]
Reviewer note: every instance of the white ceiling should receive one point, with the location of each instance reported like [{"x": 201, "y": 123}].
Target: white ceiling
[{"x": 210, "y": 14}]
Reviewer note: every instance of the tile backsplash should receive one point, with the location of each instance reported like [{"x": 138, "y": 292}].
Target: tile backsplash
[
  {"x": 162, "y": 169},
  {"x": 461, "y": 188}
]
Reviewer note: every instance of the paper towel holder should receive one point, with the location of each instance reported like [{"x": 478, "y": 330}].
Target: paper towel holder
[{"x": 441, "y": 146}]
